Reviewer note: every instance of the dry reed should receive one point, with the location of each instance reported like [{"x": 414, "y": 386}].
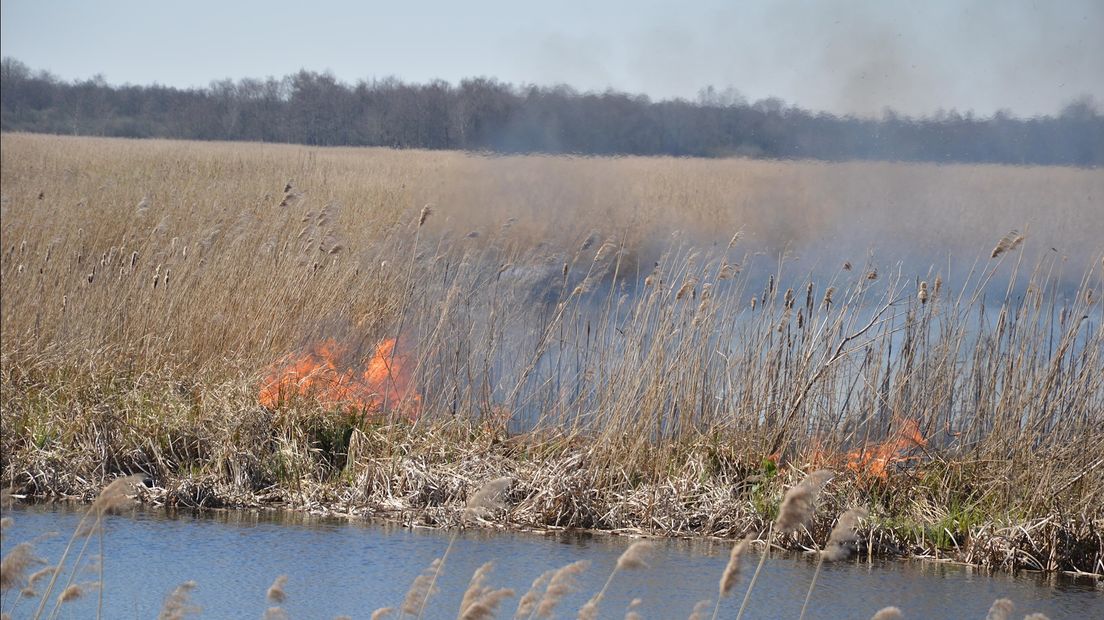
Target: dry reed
[
  {"x": 276, "y": 592},
  {"x": 423, "y": 587},
  {"x": 701, "y": 608},
  {"x": 14, "y": 565},
  {"x": 562, "y": 583},
  {"x": 529, "y": 601},
  {"x": 178, "y": 605},
  {"x": 1001, "y": 609}
]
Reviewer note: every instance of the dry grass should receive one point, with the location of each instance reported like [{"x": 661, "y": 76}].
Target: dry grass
[{"x": 622, "y": 376}]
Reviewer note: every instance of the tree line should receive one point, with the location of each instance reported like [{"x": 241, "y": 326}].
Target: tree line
[{"x": 481, "y": 114}]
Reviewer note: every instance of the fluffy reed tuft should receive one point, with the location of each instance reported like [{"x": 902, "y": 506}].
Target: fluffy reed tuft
[
  {"x": 888, "y": 613},
  {"x": 700, "y": 609},
  {"x": 276, "y": 592},
  {"x": 117, "y": 495},
  {"x": 799, "y": 502},
  {"x": 635, "y": 556},
  {"x": 14, "y": 566},
  {"x": 630, "y": 611},
  {"x": 487, "y": 605},
  {"x": 1036, "y": 616},
  {"x": 488, "y": 499},
  {"x": 5, "y": 523},
  {"x": 838, "y": 547},
  {"x": 422, "y": 588},
  {"x": 71, "y": 593},
  {"x": 426, "y": 212},
  {"x": 40, "y": 574},
  {"x": 843, "y": 535},
  {"x": 732, "y": 569},
  {"x": 560, "y": 585},
  {"x": 177, "y": 604},
  {"x": 382, "y": 613},
  {"x": 529, "y": 600},
  {"x": 1007, "y": 243},
  {"x": 1001, "y": 609},
  {"x": 480, "y": 602},
  {"x": 275, "y": 613}
]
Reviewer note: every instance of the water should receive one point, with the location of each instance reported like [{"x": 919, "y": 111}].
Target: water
[{"x": 338, "y": 567}]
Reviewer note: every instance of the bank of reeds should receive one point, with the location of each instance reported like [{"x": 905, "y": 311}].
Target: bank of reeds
[{"x": 625, "y": 379}]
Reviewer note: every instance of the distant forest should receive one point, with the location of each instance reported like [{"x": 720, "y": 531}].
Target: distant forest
[{"x": 486, "y": 115}]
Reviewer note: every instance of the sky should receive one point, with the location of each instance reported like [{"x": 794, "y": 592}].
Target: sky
[{"x": 846, "y": 57}]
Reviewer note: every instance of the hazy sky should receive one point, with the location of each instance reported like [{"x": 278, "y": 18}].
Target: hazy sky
[{"x": 841, "y": 56}]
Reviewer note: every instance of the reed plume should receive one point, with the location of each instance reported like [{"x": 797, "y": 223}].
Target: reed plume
[
  {"x": 799, "y": 502},
  {"x": 71, "y": 593},
  {"x": 14, "y": 566},
  {"x": 843, "y": 535},
  {"x": 700, "y": 609},
  {"x": 275, "y": 613},
  {"x": 426, "y": 212},
  {"x": 424, "y": 586},
  {"x": 635, "y": 557},
  {"x": 1007, "y": 243},
  {"x": 630, "y": 611},
  {"x": 276, "y": 592},
  {"x": 560, "y": 585},
  {"x": 837, "y": 547},
  {"x": 797, "y": 508},
  {"x": 488, "y": 499},
  {"x": 117, "y": 495},
  {"x": 732, "y": 569},
  {"x": 382, "y": 613},
  {"x": 177, "y": 604},
  {"x": 479, "y": 601},
  {"x": 887, "y": 613},
  {"x": 530, "y": 599},
  {"x": 485, "y": 607},
  {"x": 5, "y": 523},
  {"x": 39, "y": 575},
  {"x": 731, "y": 572},
  {"x": 1036, "y": 616},
  {"x": 1001, "y": 609}
]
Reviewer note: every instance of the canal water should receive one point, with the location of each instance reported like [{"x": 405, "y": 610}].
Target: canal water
[{"x": 340, "y": 567}]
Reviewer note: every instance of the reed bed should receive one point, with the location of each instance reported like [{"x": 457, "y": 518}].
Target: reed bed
[{"x": 540, "y": 320}]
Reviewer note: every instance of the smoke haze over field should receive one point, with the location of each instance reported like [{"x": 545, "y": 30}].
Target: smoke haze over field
[{"x": 916, "y": 58}]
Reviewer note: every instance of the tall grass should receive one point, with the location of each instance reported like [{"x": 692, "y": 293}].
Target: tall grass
[{"x": 592, "y": 328}]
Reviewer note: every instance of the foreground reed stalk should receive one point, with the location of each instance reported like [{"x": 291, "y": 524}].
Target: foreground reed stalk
[{"x": 835, "y": 548}]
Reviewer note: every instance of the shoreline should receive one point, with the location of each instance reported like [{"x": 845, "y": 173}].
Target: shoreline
[
  {"x": 298, "y": 516},
  {"x": 1044, "y": 544}
]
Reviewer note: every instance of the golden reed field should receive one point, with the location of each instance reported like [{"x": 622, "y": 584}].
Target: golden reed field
[{"x": 650, "y": 345}]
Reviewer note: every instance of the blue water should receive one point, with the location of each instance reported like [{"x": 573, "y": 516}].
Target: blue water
[{"x": 339, "y": 567}]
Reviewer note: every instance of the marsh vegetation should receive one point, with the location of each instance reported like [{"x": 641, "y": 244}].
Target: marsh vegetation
[{"x": 652, "y": 346}]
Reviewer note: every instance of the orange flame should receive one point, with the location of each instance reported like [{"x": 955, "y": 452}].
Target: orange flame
[
  {"x": 384, "y": 382},
  {"x": 875, "y": 461}
]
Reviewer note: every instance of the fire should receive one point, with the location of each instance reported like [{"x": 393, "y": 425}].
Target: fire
[
  {"x": 875, "y": 461},
  {"x": 318, "y": 374}
]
